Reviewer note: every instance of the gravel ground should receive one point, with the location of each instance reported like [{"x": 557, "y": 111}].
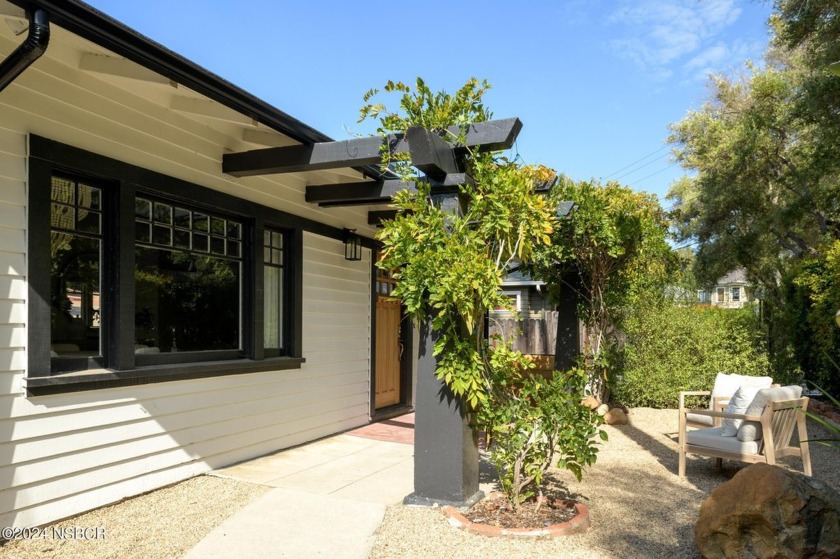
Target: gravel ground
[
  {"x": 638, "y": 505},
  {"x": 162, "y": 524}
]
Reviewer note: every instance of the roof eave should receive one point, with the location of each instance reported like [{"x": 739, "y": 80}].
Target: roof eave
[{"x": 95, "y": 26}]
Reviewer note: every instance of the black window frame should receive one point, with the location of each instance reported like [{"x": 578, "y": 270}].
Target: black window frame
[
  {"x": 69, "y": 363},
  {"x": 285, "y": 266},
  {"x": 123, "y": 183}
]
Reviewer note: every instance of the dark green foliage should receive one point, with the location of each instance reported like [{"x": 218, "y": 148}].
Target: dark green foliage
[
  {"x": 671, "y": 347},
  {"x": 532, "y": 420},
  {"x": 609, "y": 250},
  {"x": 766, "y": 183}
]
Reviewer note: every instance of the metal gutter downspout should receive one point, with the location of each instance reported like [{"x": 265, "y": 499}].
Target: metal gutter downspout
[{"x": 29, "y": 51}]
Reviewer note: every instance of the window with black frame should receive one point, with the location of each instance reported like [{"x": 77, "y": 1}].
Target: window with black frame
[
  {"x": 188, "y": 279},
  {"x": 132, "y": 282},
  {"x": 275, "y": 264},
  {"x": 76, "y": 238}
]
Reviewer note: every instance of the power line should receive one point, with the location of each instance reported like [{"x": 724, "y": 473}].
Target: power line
[
  {"x": 637, "y": 161},
  {"x": 653, "y": 174},
  {"x": 630, "y": 172}
]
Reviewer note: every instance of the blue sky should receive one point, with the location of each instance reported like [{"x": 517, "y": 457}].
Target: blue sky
[{"x": 595, "y": 82}]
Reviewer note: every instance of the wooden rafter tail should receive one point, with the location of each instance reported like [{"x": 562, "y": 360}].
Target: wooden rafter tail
[
  {"x": 451, "y": 183},
  {"x": 493, "y": 135},
  {"x": 357, "y": 152}
]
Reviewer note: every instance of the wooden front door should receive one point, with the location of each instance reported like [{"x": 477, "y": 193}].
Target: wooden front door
[
  {"x": 388, "y": 391},
  {"x": 388, "y": 352}
]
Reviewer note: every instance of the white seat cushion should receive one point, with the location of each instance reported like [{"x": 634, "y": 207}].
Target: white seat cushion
[{"x": 711, "y": 438}]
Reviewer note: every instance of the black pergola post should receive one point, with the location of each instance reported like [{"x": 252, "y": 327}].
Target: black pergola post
[
  {"x": 567, "y": 348},
  {"x": 445, "y": 446}
]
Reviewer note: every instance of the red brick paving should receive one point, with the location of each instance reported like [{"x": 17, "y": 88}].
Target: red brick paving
[{"x": 396, "y": 430}]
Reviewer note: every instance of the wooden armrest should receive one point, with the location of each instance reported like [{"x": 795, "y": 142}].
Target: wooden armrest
[{"x": 713, "y": 413}]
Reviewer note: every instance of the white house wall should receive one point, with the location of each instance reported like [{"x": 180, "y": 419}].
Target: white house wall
[{"x": 66, "y": 453}]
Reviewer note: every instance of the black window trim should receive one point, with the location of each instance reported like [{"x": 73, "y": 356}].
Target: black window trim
[{"x": 47, "y": 157}]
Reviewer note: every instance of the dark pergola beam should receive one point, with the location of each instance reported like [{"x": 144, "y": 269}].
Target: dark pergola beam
[
  {"x": 431, "y": 154},
  {"x": 377, "y": 217},
  {"x": 314, "y": 157},
  {"x": 355, "y": 193},
  {"x": 493, "y": 135}
]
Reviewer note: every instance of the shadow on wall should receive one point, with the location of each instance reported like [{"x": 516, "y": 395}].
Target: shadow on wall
[{"x": 67, "y": 453}]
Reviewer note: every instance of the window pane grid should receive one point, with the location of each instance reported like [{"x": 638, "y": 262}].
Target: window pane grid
[
  {"x": 168, "y": 226},
  {"x": 273, "y": 248},
  {"x": 76, "y": 207}
]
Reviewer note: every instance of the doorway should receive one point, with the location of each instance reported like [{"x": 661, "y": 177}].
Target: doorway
[{"x": 390, "y": 382}]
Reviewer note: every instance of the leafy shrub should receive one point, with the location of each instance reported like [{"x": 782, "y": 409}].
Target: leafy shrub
[
  {"x": 813, "y": 296},
  {"x": 531, "y": 420},
  {"x": 669, "y": 348}
]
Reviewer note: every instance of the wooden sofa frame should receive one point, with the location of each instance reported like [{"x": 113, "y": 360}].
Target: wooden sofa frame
[{"x": 777, "y": 423}]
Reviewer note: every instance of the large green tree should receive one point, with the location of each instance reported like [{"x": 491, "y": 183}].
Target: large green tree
[{"x": 763, "y": 195}]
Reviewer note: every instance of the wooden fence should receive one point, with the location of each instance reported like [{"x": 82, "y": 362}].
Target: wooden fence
[{"x": 534, "y": 336}]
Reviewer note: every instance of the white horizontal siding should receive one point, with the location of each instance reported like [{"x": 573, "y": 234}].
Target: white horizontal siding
[{"x": 67, "y": 453}]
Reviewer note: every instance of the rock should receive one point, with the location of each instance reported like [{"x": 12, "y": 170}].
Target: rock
[
  {"x": 622, "y": 407},
  {"x": 769, "y": 512},
  {"x": 616, "y": 417},
  {"x": 591, "y": 402},
  {"x": 602, "y": 409}
]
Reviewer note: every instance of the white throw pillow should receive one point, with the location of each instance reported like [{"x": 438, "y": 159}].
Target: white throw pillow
[
  {"x": 727, "y": 384},
  {"x": 751, "y": 430},
  {"x": 742, "y": 398}
]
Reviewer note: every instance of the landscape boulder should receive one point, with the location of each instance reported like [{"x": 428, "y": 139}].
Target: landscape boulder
[
  {"x": 616, "y": 417},
  {"x": 590, "y": 402},
  {"x": 767, "y": 512}
]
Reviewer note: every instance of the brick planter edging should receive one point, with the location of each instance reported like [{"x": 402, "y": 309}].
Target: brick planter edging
[{"x": 577, "y": 525}]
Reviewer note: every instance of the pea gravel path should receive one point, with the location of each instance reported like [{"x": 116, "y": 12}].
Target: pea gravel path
[
  {"x": 163, "y": 524},
  {"x": 638, "y": 506}
]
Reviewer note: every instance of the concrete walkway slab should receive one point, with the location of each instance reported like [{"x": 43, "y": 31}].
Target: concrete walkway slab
[
  {"x": 329, "y": 497},
  {"x": 295, "y": 524}
]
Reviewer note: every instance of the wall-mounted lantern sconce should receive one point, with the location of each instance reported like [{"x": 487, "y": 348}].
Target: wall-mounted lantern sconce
[{"x": 352, "y": 245}]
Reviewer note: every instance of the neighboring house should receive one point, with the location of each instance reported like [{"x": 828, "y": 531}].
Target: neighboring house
[
  {"x": 527, "y": 296},
  {"x": 732, "y": 291},
  {"x": 159, "y": 317},
  {"x": 531, "y": 321}
]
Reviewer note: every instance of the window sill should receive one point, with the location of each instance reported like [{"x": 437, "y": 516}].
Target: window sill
[{"x": 102, "y": 378}]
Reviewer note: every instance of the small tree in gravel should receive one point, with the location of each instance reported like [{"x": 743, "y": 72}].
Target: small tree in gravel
[
  {"x": 449, "y": 268},
  {"x": 533, "y": 420}
]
